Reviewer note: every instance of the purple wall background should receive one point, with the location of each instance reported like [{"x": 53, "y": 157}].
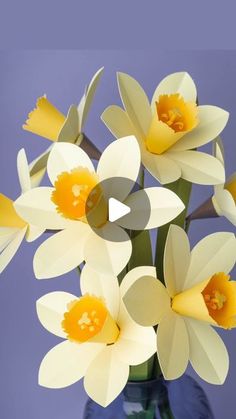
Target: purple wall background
[{"x": 62, "y": 75}]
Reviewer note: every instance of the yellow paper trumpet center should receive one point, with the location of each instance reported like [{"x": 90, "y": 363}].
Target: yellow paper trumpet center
[
  {"x": 72, "y": 190},
  {"x": 45, "y": 120},
  {"x": 88, "y": 319},
  {"x": 220, "y": 298},
  {"x": 173, "y": 119},
  {"x": 176, "y": 113},
  {"x": 231, "y": 186}
]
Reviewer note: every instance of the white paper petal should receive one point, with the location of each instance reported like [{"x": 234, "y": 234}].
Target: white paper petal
[
  {"x": 36, "y": 207},
  {"x": 116, "y": 161},
  {"x": 135, "y": 274},
  {"x": 147, "y": 301},
  {"x": 38, "y": 167},
  {"x": 6, "y": 236},
  {"x": 117, "y": 121},
  {"x": 33, "y": 233},
  {"x": 67, "y": 363},
  {"x": 218, "y": 150},
  {"x": 106, "y": 377},
  {"x": 65, "y": 157},
  {"x": 108, "y": 257},
  {"x": 105, "y": 286},
  {"x": 61, "y": 253},
  {"x": 198, "y": 167},
  {"x": 172, "y": 346},
  {"x": 215, "y": 253},
  {"x": 161, "y": 167},
  {"x": 208, "y": 354},
  {"x": 50, "y": 310},
  {"x": 11, "y": 249},
  {"x": 136, "y": 344},
  {"x": 164, "y": 206},
  {"x": 23, "y": 171},
  {"x": 176, "y": 259},
  {"x": 180, "y": 83},
  {"x": 135, "y": 102},
  {"x": 88, "y": 97},
  {"x": 212, "y": 121},
  {"x": 224, "y": 205},
  {"x": 70, "y": 128}
]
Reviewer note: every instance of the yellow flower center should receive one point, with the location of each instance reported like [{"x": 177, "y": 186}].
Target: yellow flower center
[
  {"x": 220, "y": 298},
  {"x": 176, "y": 113},
  {"x": 88, "y": 319},
  {"x": 174, "y": 118},
  {"x": 72, "y": 190},
  {"x": 231, "y": 186}
]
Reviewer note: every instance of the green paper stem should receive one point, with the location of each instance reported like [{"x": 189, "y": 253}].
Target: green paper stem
[{"x": 183, "y": 189}]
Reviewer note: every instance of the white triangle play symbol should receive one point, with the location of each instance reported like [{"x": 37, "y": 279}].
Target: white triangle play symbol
[{"x": 116, "y": 209}]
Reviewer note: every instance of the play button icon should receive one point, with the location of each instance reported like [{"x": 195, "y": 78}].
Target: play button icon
[
  {"x": 116, "y": 209},
  {"x": 110, "y": 202}
]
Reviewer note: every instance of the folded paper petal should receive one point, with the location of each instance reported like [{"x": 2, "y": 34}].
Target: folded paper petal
[
  {"x": 176, "y": 259},
  {"x": 38, "y": 167},
  {"x": 23, "y": 171},
  {"x": 6, "y": 236},
  {"x": 50, "y": 310},
  {"x": 198, "y": 167},
  {"x": 147, "y": 301},
  {"x": 215, "y": 253},
  {"x": 9, "y": 216},
  {"x": 65, "y": 157},
  {"x": 212, "y": 121},
  {"x": 224, "y": 205},
  {"x": 33, "y": 233},
  {"x": 117, "y": 121},
  {"x": 108, "y": 257},
  {"x": 135, "y": 274},
  {"x": 106, "y": 377},
  {"x": 135, "y": 344},
  {"x": 70, "y": 129},
  {"x": 61, "y": 253},
  {"x": 172, "y": 346},
  {"x": 67, "y": 363},
  {"x": 115, "y": 162},
  {"x": 37, "y": 208},
  {"x": 180, "y": 83},
  {"x": 11, "y": 249},
  {"x": 105, "y": 286},
  {"x": 208, "y": 354},
  {"x": 164, "y": 206},
  {"x": 87, "y": 99},
  {"x": 161, "y": 167},
  {"x": 135, "y": 102}
]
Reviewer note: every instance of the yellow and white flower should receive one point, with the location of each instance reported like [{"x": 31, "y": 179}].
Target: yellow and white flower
[
  {"x": 101, "y": 340},
  {"x": 170, "y": 129},
  {"x": 63, "y": 207},
  {"x": 48, "y": 122},
  {"x": 198, "y": 293},
  {"x": 224, "y": 198},
  {"x": 13, "y": 228}
]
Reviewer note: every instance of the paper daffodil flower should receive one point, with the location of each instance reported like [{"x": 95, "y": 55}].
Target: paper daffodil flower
[
  {"x": 48, "y": 122},
  {"x": 102, "y": 341},
  {"x": 198, "y": 293},
  {"x": 170, "y": 129},
  {"x": 63, "y": 207},
  {"x": 224, "y": 198},
  {"x": 13, "y": 228}
]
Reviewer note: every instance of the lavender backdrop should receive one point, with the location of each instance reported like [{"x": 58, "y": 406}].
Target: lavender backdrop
[{"x": 62, "y": 75}]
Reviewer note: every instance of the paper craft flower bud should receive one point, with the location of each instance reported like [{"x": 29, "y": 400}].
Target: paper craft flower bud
[
  {"x": 197, "y": 293},
  {"x": 101, "y": 340},
  {"x": 170, "y": 128}
]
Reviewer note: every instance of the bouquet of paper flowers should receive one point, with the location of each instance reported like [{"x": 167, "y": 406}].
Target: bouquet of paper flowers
[{"x": 147, "y": 307}]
